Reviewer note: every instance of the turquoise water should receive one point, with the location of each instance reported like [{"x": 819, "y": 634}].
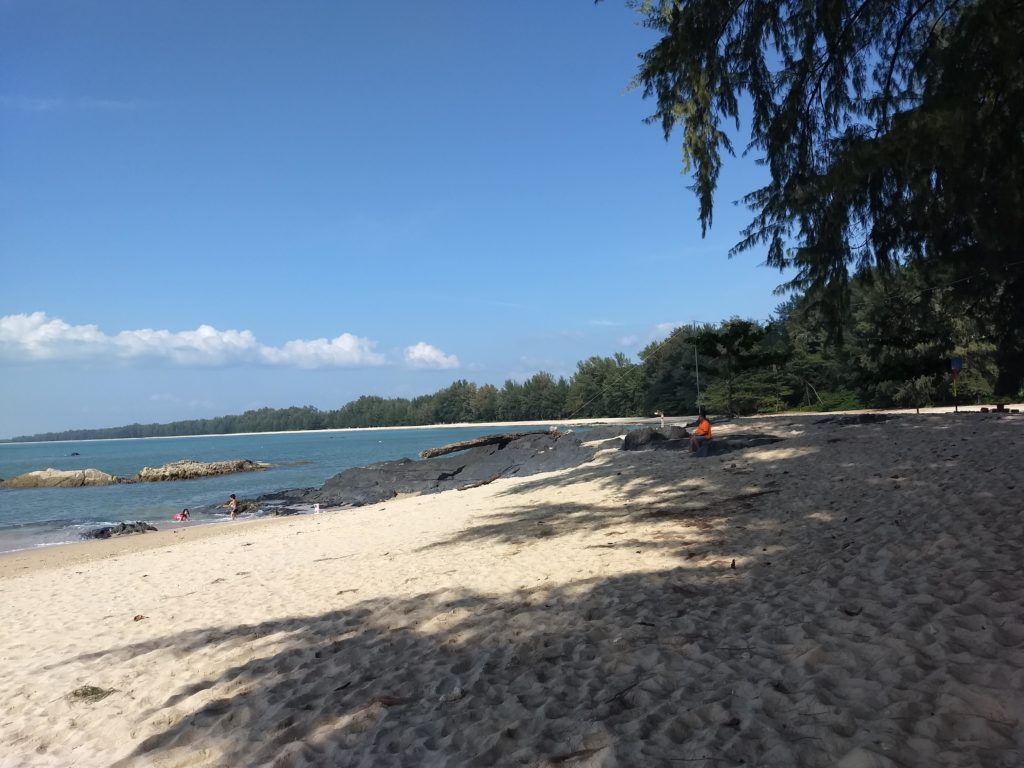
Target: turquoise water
[{"x": 43, "y": 516}]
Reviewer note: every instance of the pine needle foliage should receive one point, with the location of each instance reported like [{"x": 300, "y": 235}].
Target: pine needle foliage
[{"x": 893, "y": 131}]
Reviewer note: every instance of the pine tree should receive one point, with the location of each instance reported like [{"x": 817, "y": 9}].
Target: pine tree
[{"x": 893, "y": 131}]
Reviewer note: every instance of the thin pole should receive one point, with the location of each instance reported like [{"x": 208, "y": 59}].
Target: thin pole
[{"x": 696, "y": 367}]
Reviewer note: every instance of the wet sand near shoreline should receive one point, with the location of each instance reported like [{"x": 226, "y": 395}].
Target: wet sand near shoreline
[{"x": 80, "y": 553}]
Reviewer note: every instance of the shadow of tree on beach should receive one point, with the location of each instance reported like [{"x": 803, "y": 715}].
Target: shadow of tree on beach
[
  {"x": 629, "y": 666},
  {"x": 767, "y": 484},
  {"x": 636, "y": 492},
  {"x": 698, "y": 663}
]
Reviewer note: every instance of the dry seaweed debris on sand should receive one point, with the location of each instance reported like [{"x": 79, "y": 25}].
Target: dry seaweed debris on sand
[{"x": 90, "y": 694}]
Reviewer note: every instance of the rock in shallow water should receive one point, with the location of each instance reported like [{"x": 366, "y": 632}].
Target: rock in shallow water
[
  {"x": 60, "y": 478},
  {"x": 121, "y": 529},
  {"x": 186, "y": 469}
]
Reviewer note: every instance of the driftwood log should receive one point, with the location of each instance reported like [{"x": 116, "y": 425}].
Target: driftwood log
[{"x": 501, "y": 440}]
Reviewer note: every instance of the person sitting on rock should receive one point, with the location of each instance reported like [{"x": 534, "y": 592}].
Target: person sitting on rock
[{"x": 701, "y": 438}]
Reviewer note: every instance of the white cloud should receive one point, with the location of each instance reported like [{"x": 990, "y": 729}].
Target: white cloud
[
  {"x": 339, "y": 352},
  {"x": 37, "y": 336},
  {"x": 424, "y": 355}
]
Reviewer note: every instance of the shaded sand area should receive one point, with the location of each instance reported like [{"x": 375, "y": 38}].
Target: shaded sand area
[{"x": 587, "y": 617}]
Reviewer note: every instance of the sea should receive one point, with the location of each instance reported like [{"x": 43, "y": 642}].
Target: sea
[{"x": 37, "y": 517}]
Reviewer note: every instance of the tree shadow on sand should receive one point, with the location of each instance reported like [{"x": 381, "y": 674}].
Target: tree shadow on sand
[
  {"x": 756, "y": 491},
  {"x": 701, "y": 663}
]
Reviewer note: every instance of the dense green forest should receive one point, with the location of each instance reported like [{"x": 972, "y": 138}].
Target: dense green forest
[
  {"x": 892, "y": 349},
  {"x": 893, "y": 135}
]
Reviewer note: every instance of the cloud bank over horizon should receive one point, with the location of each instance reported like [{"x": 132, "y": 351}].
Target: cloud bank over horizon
[{"x": 41, "y": 338}]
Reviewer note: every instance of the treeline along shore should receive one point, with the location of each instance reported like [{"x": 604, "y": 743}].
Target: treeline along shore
[{"x": 894, "y": 347}]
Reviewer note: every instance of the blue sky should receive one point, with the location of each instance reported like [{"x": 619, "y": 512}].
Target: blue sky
[{"x": 206, "y": 208}]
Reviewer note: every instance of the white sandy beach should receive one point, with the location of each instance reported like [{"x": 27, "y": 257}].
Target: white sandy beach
[{"x": 852, "y": 596}]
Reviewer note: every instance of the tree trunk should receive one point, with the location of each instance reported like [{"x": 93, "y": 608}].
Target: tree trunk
[{"x": 501, "y": 440}]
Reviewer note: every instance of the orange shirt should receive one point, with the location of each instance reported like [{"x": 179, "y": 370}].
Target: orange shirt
[{"x": 703, "y": 429}]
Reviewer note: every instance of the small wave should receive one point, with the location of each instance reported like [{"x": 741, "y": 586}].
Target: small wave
[{"x": 54, "y": 525}]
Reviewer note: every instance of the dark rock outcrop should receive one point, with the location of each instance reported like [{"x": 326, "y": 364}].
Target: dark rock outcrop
[
  {"x": 245, "y": 506},
  {"x": 677, "y": 439},
  {"x": 603, "y": 432},
  {"x": 675, "y": 433},
  {"x": 526, "y": 455},
  {"x": 121, "y": 529},
  {"x": 647, "y": 439},
  {"x": 464, "y": 445}
]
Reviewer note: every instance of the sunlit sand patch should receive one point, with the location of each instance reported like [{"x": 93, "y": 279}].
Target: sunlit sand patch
[
  {"x": 781, "y": 454},
  {"x": 822, "y": 517}
]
